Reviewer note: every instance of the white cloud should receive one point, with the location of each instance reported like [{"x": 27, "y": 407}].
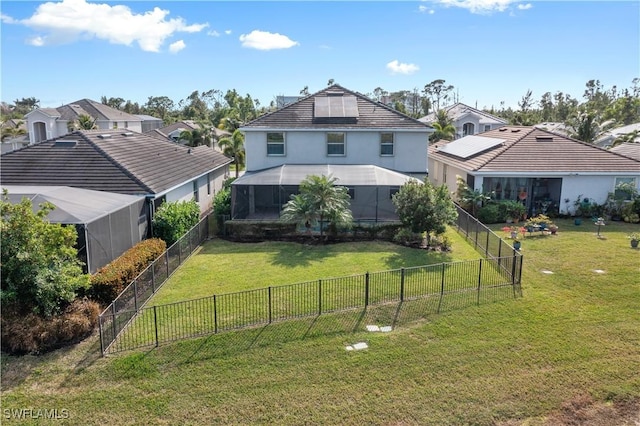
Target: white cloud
[
  {"x": 399, "y": 68},
  {"x": 177, "y": 46},
  {"x": 425, "y": 9},
  {"x": 71, "y": 20},
  {"x": 6, "y": 19},
  {"x": 263, "y": 40},
  {"x": 479, "y": 6},
  {"x": 227, "y": 32},
  {"x": 525, "y": 6},
  {"x": 213, "y": 33}
]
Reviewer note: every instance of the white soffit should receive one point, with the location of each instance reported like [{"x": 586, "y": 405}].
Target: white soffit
[{"x": 470, "y": 145}]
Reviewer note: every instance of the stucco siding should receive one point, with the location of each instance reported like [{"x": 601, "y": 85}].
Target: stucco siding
[{"x": 410, "y": 150}]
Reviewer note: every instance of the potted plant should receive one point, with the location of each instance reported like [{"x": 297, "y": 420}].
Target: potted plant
[
  {"x": 516, "y": 243},
  {"x": 553, "y": 228},
  {"x": 634, "y": 238}
]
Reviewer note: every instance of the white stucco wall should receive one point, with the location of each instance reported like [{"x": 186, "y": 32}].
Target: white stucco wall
[
  {"x": 185, "y": 192},
  {"x": 310, "y": 147},
  {"x": 596, "y": 188},
  {"x": 437, "y": 171},
  {"x": 36, "y": 117}
]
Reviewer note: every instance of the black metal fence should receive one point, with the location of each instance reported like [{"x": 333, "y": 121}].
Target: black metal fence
[
  {"x": 124, "y": 307},
  {"x": 455, "y": 285},
  {"x": 127, "y": 325},
  {"x": 487, "y": 242}
]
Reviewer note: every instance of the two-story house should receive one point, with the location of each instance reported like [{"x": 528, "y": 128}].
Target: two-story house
[
  {"x": 370, "y": 148},
  {"x": 467, "y": 120},
  {"x": 50, "y": 123}
]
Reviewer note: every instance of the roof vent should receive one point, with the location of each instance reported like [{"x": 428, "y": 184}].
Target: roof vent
[
  {"x": 515, "y": 130},
  {"x": 335, "y": 93},
  {"x": 127, "y": 134},
  {"x": 105, "y": 136},
  {"x": 504, "y": 129},
  {"x": 544, "y": 138},
  {"x": 65, "y": 144}
]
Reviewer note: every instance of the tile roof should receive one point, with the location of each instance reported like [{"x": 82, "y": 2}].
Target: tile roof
[
  {"x": 93, "y": 109},
  {"x": 459, "y": 109},
  {"x": 628, "y": 149},
  {"x": 300, "y": 115},
  {"x": 185, "y": 125},
  {"x": 529, "y": 149},
  {"x": 108, "y": 160}
]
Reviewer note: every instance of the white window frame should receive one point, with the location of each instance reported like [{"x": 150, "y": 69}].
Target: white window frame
[
  {"x": 277, "y": 143},
  {"x": 384, "y": 144},
  {"x": 343, "y": 143},
  {"x": 624, "y": 179},
  {"x": 467, "y": 124}
]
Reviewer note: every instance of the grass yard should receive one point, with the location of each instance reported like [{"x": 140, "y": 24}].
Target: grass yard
[{"x": 568, "y": 352}]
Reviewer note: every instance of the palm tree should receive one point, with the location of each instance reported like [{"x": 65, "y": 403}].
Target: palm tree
[
  {"x": 444, "y": 127},
  {"x": 234, "y": 147},
  {"x": 587, "y": 127},
  {"x": 319, "y": 199},
  {"x": 12, "y": 132},
  {"x": 626, "y": 138},
  {"x": 85, "y": 122}
]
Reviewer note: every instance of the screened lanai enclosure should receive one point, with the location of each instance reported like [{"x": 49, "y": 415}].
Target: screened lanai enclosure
[
  {"x": 539, "y": 195},
  {"x": 261, "y": 195},
  {"x": 107, "y": 224}
]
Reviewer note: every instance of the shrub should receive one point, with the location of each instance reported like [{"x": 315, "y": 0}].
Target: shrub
[
  {"x": 174, "y": 219},
  {"x": 34, "y": 334},
  {"x": 490, "y": 213},
  {"x": 407, "y": 237},
  {"x": 511, "y": 209},
  {"x": 111, "y": 279}
]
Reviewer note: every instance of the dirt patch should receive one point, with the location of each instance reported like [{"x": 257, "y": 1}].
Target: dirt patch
[{"x": 583, "y": 410}]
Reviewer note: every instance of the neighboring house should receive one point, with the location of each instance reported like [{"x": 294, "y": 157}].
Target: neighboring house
[
  {"x": 467, "y": 120},
  {"x": 11, "y": 140},
  {"x": 150, "y": 123},
  {"x": 107, "y": 224},
  {"x": 122, "y": 162},
  {"x": 554, "y": 127},
  {"x": 628, "y": 149},
  {"x": 50, "y": 123},
  {"x": 370, "y": 148},
  {"x": 536, "y": 167},
  {"x": 610, "y": 136}
]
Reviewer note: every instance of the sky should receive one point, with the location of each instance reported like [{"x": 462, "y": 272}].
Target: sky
[{"x": 491, "y": 51}]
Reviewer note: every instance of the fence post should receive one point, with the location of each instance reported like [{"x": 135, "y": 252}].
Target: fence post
[
  {"x": 269, "y": 290},
  {"x": 402, "y": 284},
  {"x": 441, "y": 288},
  {"x": 475, "y": 240},
  {"x": 319, "y": 297},
  {"x": 167, "y": 256},
  {"x": 499, "y": 252},
  {"x": 155, "y": 323},
  {"x": 479, "y": 281},
  {"x": 486, "y": 249},
  {"x": 215, "y": 315},
  {"x": 135, "y": 294},
  {"x": 366, "y": 289},
  {"x": 519, "y": 282},
  {"x": 113, "y": 322},
  {"x": 101, "y": 335}
]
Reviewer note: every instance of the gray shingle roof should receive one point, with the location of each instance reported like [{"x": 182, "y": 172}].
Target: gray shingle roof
[
  {"x": 529, "y": 149},
  {"x": 124, "y": 162},
  {"x": 300, "y": 115},
  {"x": 628, "y": 149}
]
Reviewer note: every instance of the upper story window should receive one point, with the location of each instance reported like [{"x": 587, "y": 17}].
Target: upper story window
[
  {"x": 487, "y": 127},
  {"x": 468, "y": 129},
  {"x": 386, "y": 143},
  {"x": 196, "y": 192},
  {"x": 336, "y": 143},
  {"x": 275, "y": 143}
]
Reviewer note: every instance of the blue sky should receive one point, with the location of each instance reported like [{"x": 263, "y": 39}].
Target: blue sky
[{"x": 492, "y": 51}]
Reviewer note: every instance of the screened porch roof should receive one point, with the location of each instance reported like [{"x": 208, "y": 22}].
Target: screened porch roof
[{"x": 347, "y": 175}]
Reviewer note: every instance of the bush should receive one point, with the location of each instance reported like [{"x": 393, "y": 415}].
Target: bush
[
  {"x": 110, "y": 280},
  {"x": 490, "y": 213},
  {"x": 511, "y": 209},
  {"x": 407, "y": 237},
  {"x": 246, "y": 230},
  {"x": 33, "y": 334},
  {"x": 174, "y": 219}
]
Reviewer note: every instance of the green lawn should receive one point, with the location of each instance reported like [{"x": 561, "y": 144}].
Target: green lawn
[{"x": 574, "y": 335}]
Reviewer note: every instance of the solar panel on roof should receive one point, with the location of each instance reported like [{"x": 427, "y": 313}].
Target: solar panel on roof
[
  {"x": 335, "y": 107},
  {"x": 470, "y": 145}
]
